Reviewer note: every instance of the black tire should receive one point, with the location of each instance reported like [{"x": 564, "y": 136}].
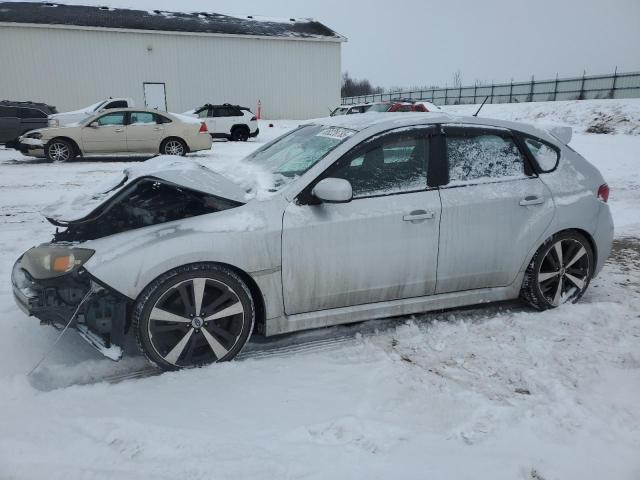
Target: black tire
[
  {"x": 174, "y": 146},
  {"x": 553, "y": 278},
  {"x": 60, "y": 150},
  {"x": 240, "y": 134},
  {"x": 174, "y": 294}
]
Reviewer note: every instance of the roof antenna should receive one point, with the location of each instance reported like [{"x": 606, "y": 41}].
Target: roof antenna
[{"x": 478, "y": 111}]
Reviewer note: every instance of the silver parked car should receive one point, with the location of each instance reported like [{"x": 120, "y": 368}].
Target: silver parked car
[
  {"x": 340, "y": 220},
  {"x": 119, "y": 131}
]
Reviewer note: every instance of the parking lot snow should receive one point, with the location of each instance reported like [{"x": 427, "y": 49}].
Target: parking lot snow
[{"x": 497, "y": 392}]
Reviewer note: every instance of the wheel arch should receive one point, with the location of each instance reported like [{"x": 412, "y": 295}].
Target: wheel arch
[
  {"x": 173, "y": 137},
  {"x": 254, "y": 289},
  {"x": 240, "y": 125},
  {"x": 73, "y": 143},
  {"x": 581, "y": 231}
]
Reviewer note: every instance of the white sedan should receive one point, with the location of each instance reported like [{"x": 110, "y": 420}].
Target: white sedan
[{"x": 119, "y": 131}]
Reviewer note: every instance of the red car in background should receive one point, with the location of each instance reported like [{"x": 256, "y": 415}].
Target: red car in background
[{"x": 403, "y": 106}]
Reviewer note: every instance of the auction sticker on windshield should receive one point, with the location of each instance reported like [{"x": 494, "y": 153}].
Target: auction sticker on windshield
[{"x": 338, "y": 133}]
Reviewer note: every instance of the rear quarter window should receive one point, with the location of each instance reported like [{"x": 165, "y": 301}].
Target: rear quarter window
[
  {"x": 31, "y": 113},
  {"x": 546, "y": 155}
]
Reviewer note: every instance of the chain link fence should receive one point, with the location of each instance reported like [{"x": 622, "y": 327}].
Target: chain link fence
[{"x": 615, "y": 85}]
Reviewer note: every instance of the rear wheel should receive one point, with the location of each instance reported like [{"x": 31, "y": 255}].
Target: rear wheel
[
  {"x": 240, "y": 134},
  {"x": 194, "y": 315},
  {"x": 559, "y": 272},
  {"x": 59, "y": 150},
  {"x": 173, "y": 146}
]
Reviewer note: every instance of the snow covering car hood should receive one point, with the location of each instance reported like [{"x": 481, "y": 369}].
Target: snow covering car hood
[{"x": 171, "y": 169}]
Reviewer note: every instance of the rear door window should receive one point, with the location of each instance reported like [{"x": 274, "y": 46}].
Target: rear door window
[
  {"x": 142, "y": 118},
  {"x": 476, "y": 155},
  {"x": 8, "y": 112},
  {"x": 230, "y": 112}
]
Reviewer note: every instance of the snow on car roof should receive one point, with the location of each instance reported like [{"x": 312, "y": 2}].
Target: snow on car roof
[
  {"x": 159, "y": 20},
  {"x": 388, "y": 120}
]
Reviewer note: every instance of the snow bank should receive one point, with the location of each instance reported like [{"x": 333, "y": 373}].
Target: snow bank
[{"x": 590, "y": 116}]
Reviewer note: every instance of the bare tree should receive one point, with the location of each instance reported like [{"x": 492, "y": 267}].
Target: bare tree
[{"x": 352, "y": 87}]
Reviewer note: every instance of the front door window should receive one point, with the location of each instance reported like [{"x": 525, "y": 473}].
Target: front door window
[
  {"x": 391, "y": 164},
  {"x": 111, "y": 119}
]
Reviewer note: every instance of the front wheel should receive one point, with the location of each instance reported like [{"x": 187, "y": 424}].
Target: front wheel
[
  {"x": 559, "y": 272},
  {"x": 58, "y": 150},
  {"x": 194, "y": 315},
  {"x": 174, "y": 146}
]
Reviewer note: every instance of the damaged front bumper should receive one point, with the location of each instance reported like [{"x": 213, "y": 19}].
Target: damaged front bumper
[
  {"x": 33, "y": 147},
  {"x": 98, "y": 313}
]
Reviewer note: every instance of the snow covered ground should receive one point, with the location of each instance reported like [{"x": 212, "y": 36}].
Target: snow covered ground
[{"x": 496, "y": 392}]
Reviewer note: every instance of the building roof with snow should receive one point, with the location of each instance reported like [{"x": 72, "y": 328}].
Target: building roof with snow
[{"x": 43, "y": 14}]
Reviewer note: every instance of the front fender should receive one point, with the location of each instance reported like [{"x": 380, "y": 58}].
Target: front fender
[{"x": 246, "y": 237}]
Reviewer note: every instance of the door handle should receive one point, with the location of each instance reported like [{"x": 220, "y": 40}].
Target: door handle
[
  {"x": 531, "y": 200},
  {"x": 418, "y": 215},
  {"x": 118, "y": 129}
]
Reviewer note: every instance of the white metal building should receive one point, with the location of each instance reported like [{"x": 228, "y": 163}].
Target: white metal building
[{"x": 72, "y": 56}]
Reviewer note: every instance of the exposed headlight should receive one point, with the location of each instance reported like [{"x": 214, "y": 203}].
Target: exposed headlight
[
  {"x": 18, "y": 277},
  {"x": 51, "y": 261},
  {"x": 37, "y": 135},
  {"x": 54, "y": 122}
]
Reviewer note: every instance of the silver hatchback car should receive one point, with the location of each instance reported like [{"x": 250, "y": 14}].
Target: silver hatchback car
[{"x": 341, "y": 220}]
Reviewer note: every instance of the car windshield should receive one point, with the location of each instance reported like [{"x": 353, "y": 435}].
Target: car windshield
[
  {"x": 96, "y": 106},
  {"x": 298, "y": 151},
  {"x": 82, "y": 121},
  {"x": 379, "y": 107}
]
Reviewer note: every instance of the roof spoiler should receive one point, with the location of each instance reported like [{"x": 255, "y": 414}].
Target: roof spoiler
[{"x": 564, "y": 133}]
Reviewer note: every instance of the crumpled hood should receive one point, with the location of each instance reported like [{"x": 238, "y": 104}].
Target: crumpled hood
[{"x": 176, "y": 170}]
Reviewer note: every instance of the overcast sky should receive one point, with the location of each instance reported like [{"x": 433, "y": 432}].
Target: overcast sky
[{"x": 422, "y": 42}]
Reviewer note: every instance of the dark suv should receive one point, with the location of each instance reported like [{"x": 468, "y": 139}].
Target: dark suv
[{"x": 17, "y": 118}]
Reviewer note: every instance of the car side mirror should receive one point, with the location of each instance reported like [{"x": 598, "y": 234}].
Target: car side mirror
[
  {"x": 94, "y": 124},
  {"x": 333, "y": 190}
]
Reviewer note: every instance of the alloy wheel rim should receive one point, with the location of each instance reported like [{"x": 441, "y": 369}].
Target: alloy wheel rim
[
  {"x": 59, "y": 152},
  {"x": 195, "y": 322},
  {"x": 174, "y": 148},
  {"x": 564, "y": 271}
]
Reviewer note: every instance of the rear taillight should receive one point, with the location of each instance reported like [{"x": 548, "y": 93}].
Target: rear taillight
[
  {"x": 603, "y": 193},
  {"x": 253, "y": 119},
  {"x": 203, "y": 128}
]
